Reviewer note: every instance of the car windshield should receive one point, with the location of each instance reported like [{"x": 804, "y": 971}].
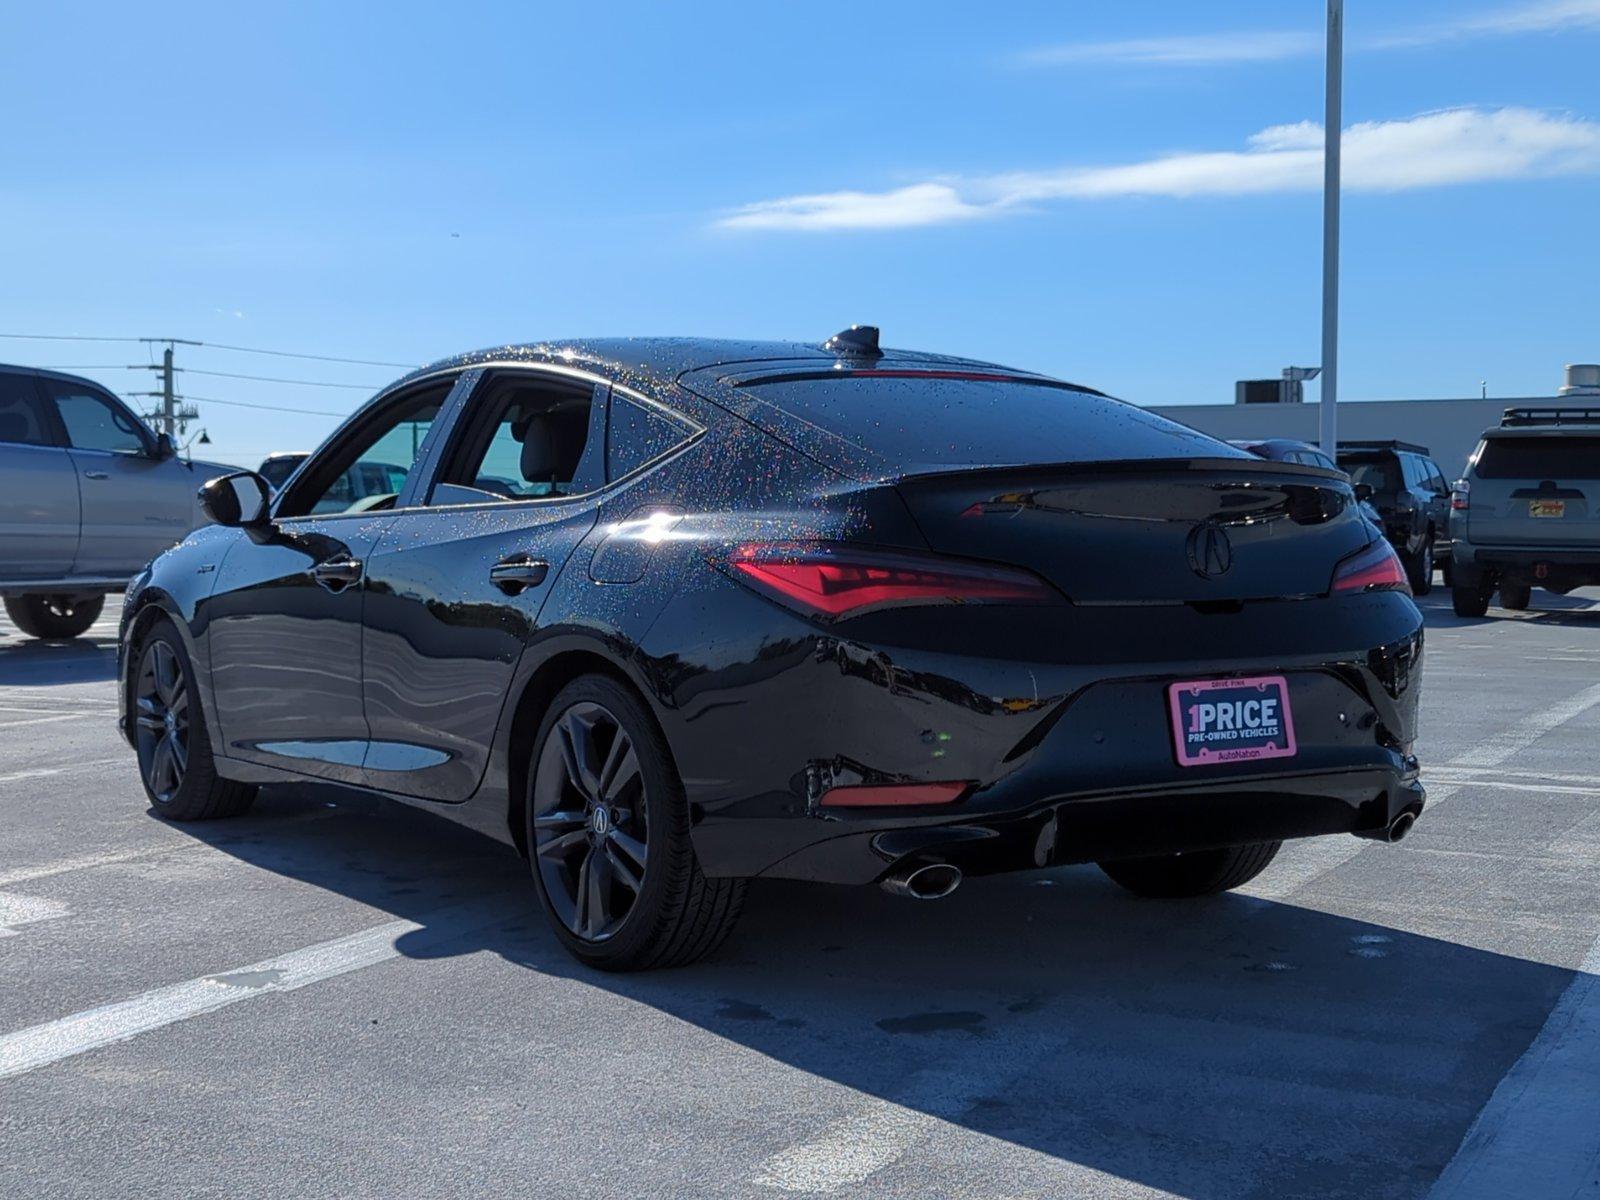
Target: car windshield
[{"x": 1539, "y": 458}]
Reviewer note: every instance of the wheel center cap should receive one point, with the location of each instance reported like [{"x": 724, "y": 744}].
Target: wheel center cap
[
  {"x": 600, "y": 821},
  {"x": 170, "y": 721}
]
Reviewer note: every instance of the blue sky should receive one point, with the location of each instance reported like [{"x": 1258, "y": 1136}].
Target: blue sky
[{"x": 1123, "y": 194}]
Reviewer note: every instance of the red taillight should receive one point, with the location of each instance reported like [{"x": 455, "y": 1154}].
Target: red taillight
[
  {"x": 895, "y": 794},
  {"x": 1461, "y": 496},
  {"x": 837, "y": 581},
  {"x": 1373, "y": 568}
]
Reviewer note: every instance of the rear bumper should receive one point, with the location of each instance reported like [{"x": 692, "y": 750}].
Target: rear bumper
[
  {"x": 1095, "y": 828},
  {"x": 1542, "y": 566}
]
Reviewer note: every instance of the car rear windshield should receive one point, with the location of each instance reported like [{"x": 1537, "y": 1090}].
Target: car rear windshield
[
  {"x": 1539, "y": 458},
  {"x": 929, "y": 420},
  {"x": 1379, "y": 474}
]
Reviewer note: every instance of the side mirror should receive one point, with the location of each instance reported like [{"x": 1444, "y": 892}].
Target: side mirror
[
  {"x": 164, "y": 448},
  {"x": 1363, "y": 491},
  {"x": 239, "y": 499}
]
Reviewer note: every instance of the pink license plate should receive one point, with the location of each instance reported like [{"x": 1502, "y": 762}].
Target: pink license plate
[{"x": 1231, "y": 720}]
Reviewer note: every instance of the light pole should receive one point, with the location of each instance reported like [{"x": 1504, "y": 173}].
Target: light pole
[{"x": 1331, "y": 126}]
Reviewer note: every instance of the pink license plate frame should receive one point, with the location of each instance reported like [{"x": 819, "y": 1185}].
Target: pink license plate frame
[{"x": 1235, "y": 727}]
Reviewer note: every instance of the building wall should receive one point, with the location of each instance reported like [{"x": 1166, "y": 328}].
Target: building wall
[{"x": 1449, "y": 428}]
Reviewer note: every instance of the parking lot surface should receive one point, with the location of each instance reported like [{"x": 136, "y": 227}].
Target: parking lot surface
[{"x": 336, "y": 997}]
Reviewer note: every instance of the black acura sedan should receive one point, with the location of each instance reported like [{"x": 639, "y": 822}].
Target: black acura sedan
[{"x": 669, "y": 615}]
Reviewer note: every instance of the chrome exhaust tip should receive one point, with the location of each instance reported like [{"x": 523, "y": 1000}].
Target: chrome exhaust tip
[
  {"x": 1401, "y": 825},
  {"x": 930, "y": 881}
]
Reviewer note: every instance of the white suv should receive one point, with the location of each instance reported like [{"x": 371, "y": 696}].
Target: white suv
[{"x": 1527, "y": 513}]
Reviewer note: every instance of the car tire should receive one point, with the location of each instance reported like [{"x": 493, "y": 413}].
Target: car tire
[
  {"x": 1470, "y": 599},
  {"x": 1192, "y": 873},
  {"x": 54, "y": 618},
  {"x": 1515, "y": 596},
  {"x": 1447, "y": 573},
  {"x": 623, "y": 890},
  {"x": 169, "y": 732},
  {"x": 1419, "y": 567}
]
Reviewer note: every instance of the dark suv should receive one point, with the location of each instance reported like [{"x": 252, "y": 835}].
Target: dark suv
[{"x": 1412, "y": 498}]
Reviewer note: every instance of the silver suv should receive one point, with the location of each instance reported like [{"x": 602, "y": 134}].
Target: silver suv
[
  {"x": 88, "y": 495},
  {"x": 1527, "y": 513}
]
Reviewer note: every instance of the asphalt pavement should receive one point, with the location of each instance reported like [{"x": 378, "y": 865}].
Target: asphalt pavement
[{"x": 336, "y": 997}]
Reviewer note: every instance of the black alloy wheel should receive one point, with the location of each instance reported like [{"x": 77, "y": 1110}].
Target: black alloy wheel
[
  {"x": 607, "y": 826},
  {"x": 169, "y": 733},
  {"x": 161, "y": 713},
  {"x": 590, "y": 821}
]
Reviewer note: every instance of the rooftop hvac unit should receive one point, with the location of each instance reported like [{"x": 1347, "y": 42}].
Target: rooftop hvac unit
[
  {"x": 1582, "y": 379},
  {"x": 1269, "y": 391}
]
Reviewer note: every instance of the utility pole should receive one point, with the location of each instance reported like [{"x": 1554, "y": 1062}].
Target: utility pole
[
  {"x": 169, "y": 424},
  {"x": 1332, "y": 125},
  {"x": 172, "y": 417}
]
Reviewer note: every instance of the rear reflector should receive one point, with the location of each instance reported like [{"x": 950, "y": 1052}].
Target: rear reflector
[
  {"x": 893, "y": 795},
  {"x": 1373, "y": 568},
  {"x": 838, "y": 581}
]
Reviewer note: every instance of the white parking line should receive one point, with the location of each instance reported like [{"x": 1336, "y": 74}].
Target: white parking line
[
  {"x": 1560, "y": 789},
  {"x": 85, "y": 862},
  {"x": 1310, "y": 860},
  {"x": 1529, "y": 730},
  {"x": 42, "y": 772},
  {"x": 930, "y": 1104},
  {"x": 1539, "y": 1135},
  {"x": 41, "y": 720},
  {"x": 40, "y": 1045}
]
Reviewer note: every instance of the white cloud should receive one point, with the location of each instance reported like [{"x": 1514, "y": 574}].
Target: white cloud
[
  {"x": 1540, "y": 16},
  {"x": 930, "y": 203},
  {"x": 1188, "y": 51},
  {"x": 1464, "y": 145}
]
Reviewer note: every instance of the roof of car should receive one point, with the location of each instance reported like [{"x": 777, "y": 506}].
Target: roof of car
[
  {"x": 660, "y": 359},
  {"x": 1272, "y": 443},
  {"x": 1381, "y": 445}
]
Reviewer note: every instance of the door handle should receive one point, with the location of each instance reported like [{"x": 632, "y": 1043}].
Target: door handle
[
  {"x": 518, "y": 573},
  {"x": 337, "y": 573},
  {"x": 97, "y": 475}
]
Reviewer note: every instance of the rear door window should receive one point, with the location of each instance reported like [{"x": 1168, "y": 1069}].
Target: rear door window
[
  {"x": 21, "y": 416},
  {"x": 1539, "y": 458},
  {"x": 527, "y": 437}
]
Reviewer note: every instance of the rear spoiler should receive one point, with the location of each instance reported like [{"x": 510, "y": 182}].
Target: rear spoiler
[{"x": 1247, "y": 464}]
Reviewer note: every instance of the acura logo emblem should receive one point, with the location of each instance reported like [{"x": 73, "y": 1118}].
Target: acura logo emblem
[{"x": 1210, "y": 551}]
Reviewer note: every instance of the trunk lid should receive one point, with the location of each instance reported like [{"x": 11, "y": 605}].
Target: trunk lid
[{"x": 1195, "y": 531}]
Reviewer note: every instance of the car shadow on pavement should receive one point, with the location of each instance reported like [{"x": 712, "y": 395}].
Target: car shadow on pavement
[
  {"x": 1215, "y": 1048},
  {"x": 40, "y": 664}
]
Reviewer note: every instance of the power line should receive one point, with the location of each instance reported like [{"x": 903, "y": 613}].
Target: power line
[
  {"x": 76, "y": 337},
  {"x": 361, "y": 362},
  {"x": 359, "y": 387},
  {"x": 313, "y": 412},
  {"x": 65, "y": 337}
]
